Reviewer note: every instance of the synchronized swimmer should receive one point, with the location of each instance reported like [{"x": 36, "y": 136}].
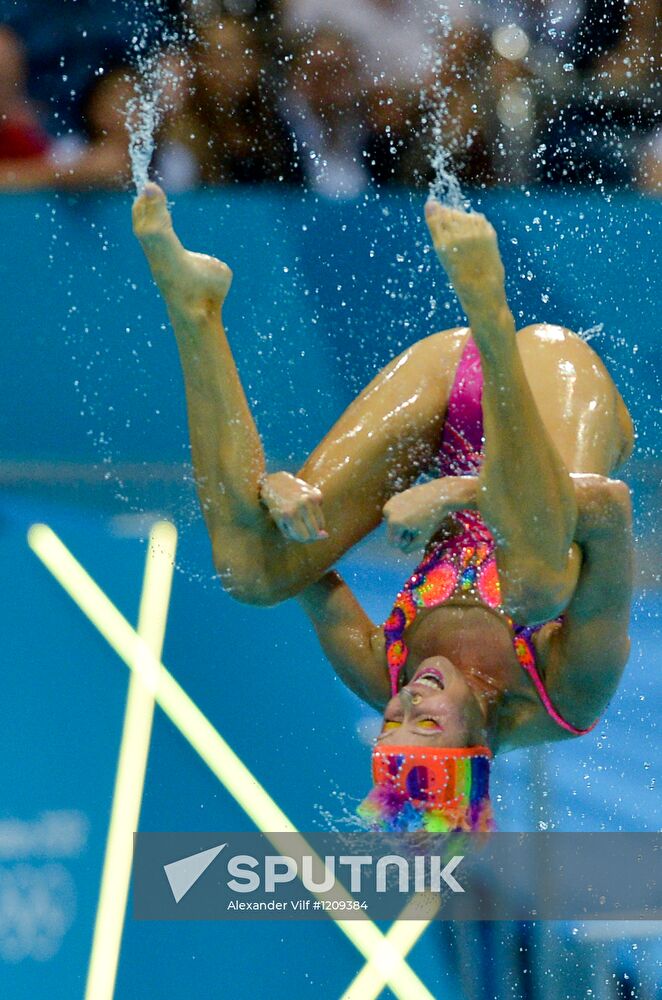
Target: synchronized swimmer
[{"x": 513, "y": 629}]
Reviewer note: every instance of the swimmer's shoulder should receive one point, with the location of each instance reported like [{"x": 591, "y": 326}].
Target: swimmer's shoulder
[{"x": 523, "y": 719}]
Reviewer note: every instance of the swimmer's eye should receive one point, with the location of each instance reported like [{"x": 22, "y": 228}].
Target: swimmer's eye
[
  {"x": 428, "y": 724},
  {"x": 392, "y": 725}
]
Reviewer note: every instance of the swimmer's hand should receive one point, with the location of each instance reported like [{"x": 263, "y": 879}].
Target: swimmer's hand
[
  {"x": 414, "y": 516},
  {"x": 295, "y": 507}
]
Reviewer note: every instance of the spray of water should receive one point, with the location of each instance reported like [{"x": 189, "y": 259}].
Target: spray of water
[
  {"x": 161, "y": 67},
  {"x": 144, "y": 114},
  {"x": 444, "y": 185},
  {"x": 593, "y": 331}
]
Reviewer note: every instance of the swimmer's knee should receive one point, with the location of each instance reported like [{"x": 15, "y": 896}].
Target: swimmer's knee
[
  {"x": 626, "y": 428},
  {"x": 247, "y": 575},
  {"x": 250, "y": 586},
  {"x": 531, "y": 608},
  {"x": 547, "y": 333},
  {"x": 239, "y": 572},
  {"x": 535, "y": 594},
  {"x": 251, "y": 591}
]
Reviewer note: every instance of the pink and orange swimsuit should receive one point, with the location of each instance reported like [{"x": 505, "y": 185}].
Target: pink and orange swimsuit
[{"x": 465, "y": 562}]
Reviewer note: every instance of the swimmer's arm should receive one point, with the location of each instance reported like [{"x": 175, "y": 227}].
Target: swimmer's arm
[
  {"x": 585, "y": 658},
  {"x": 415, "y": 515},
  {"x": 412, "y": 517},
  {"x": 353, "y": 644}
]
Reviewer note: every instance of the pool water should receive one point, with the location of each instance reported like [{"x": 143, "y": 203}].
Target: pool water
[{"x": 95, "y": 445}]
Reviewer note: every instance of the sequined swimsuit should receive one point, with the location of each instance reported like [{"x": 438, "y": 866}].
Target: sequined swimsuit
[{"x": 464, "y": 563}]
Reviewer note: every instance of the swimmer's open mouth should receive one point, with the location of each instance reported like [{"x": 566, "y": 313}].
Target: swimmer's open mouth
[{"x": 431, "y": 678}]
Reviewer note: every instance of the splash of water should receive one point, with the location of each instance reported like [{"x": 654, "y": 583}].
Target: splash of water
[
  {"x": 160, "y": 68},
  {"x": 591, "y": 332},
  {"x": 444, "y": 186},
  {"x": 342, "y": 816},
  {"x": 144, "y": 114}
]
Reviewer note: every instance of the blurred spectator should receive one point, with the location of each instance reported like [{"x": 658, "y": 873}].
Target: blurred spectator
[
  {"x": 451, "y": 108},
  {"x": 205, "y": 11},
  {"x": 102, "y": 160},
  {"x": 324, "y": 103},
  {"x": 357, "y": 126},
  {"x": 230, "y": 120},
  {"x": 460, "y": 101},
  {"x": 369, "y": 90},
  {"x": 174, "y": 164},
  {"x": 650, "y": 172},
  {"x": 390, "y": 36},
  {"x": 21, "y": 136},
  {"x": 613, "y": 58},
  {"x": 68, "y": 42},
  {"x": 396, "y": 143}
]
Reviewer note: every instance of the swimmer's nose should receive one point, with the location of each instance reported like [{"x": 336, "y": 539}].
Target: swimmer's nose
[{"x": 409, "y": 699}]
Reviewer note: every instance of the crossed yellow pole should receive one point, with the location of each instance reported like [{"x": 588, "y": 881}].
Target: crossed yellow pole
[
  {"x": 131, "y": 768},
  {"x": 150, "y": 681}
]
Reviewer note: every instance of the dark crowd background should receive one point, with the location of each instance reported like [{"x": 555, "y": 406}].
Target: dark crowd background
[{"x": 336, "y": 95}]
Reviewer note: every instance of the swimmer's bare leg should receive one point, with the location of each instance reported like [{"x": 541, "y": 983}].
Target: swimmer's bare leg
[
  {"x": 226, "y": 448},
  {"x": 376, "y": 448},
  {"x": 526, "y": 495}
]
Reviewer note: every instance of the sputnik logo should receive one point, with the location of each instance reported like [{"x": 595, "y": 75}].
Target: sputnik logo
[{"x": 183, "y": 874}]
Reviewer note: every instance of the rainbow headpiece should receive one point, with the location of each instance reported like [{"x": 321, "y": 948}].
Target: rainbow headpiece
[{"x": 440, "y": 790}]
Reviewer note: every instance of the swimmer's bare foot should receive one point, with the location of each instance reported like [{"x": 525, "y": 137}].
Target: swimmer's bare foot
[
  {"x": 466, "y": 245},
  {"x": 188, "y": 281}
]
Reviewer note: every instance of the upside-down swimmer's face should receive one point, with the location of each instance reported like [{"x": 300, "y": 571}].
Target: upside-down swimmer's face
[{"x": 436, "y": 708}]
